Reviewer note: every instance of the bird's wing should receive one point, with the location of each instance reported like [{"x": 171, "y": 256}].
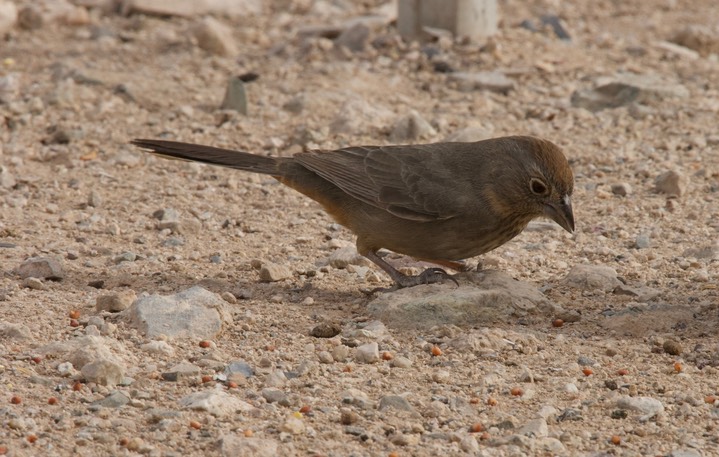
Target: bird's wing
[{"x": 407, "y": 181}]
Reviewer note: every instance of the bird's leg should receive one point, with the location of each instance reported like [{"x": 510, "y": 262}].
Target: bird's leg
[{"x": 428, "y": 276}]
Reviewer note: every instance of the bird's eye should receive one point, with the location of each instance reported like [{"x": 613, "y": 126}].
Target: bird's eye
[{"x": 538, "y": 186}]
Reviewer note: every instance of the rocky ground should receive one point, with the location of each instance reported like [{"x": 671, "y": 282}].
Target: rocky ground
[{"x": 167, "y": 309}]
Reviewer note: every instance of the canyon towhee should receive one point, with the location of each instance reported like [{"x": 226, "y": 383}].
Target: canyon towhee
[{"x": 441, "y": 202}]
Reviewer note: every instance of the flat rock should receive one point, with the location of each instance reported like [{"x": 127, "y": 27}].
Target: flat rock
[
  {"x": 14, "y": 331},
  {"x": 642, "y": 294},
  {"x": 493, "y": 81},
  {"x": 648, "y": 407},
  {"x": 395, "y": 402},
  {"x": 116, "y": 399},
  {"x": 216, "y": 402},
  {"x": 241, "y": 446},
  {"x": 192, "y": 313},
  {"x": 592, "y": 277},
  {"x": 116, "y": 301},
  {"x": 367, "y": 353},
  {"x": 625, "y": 89},
  {"x": 709, "y": 252},
  {"x": 672, "y": 183},
  {"x": 536, "y": 428},
  {"x": 41, "y": 268},
  {"x": 482, "y": 298},
  {"x": 103, "y": 372},
  {"x": 272, "y": 272},
  {"x": 189, "y": 8},
  {"x": 412, "y": 127}
]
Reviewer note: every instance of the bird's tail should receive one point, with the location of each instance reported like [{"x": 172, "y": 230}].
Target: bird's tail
[{"x": 215, "y": 156}]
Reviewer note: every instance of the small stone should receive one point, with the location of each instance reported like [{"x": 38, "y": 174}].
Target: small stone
[
  {"x": 293, "y": 426},
  {"x": 115, "y": 302},
  {"x": 671, "y": 183},
  {"x": 672, "y": 347},
  {"x": 325, "y": 330},
  {"x": 124, "y": 257},
  {"x": 367, "y": 353},
  {"x": 103, "y": 372},
  {"x": 647, "y": 406},
  {"x": 94, "y": 199},
  {"x": 343, "y": 257},
  {"x": 242, "y": 446},
  {"x": 182, "y": 370},
  {"x": 274, "y": 396},
  {"x": 275, "y": 378},
  {"x": 41, "y": 268},
  {"x": 536, "y": 428},
  {"x": 272, "y": 272},
  {"x": 400, "y": 362},
  {"x": 216, "y": 402},
  {"x": 215, "y": 37},
  {"x": 411, "y": 127},
  {"x": 354, "y": 38},
  {"x": 626, "y": 89},
  {"x": 7, "y": 179},
  {"x": 340, "y": 353},
  {"x": 493, "y": 81},
  {"x": 348, "y": 417},
  {"x": 30, "y": 18},
  {"x": 325, "y": 357},
  {"x": 239, "y": 367},
  {"x": 622, "y": 189},
  {"x": 14, "y": 331},
  {"x": 116, "y": 399},
  {"x": 235, "y": 96},
  {"x": 592, "y": 277},
  {"x": 8, "y": 16},
  {"x": 295, "y": 105},
  {"x": 158, "y": 347},
  {"x": 642, "y": 241},
  {"x": 395, "y": 402},
  {"x": 441, "y": 377},
  {"x": 34, "y": 283}
]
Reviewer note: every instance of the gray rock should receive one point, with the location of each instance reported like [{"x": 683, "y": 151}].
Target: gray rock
[
  {"x": 411, "y": 127},
  {"x": 235, "y": 96},
  {"x": 239, "y": 367},
  {"x": 7, "y": 179},
  {"x": 295, "y": 105},
  {"x": 671, "y": 183},
  {"x": 41, "y": 268},
  {"x": 103, "y": 372},
  {"x": 648, "y": 407},
  {"x": 241, "y": 446},
  {"x": 395, "y": 402},
  {"x": 214, "y": 37},
  {"x": 642, "y": 294},
  {"x": 400, "y": 362},
  {"x": 622, "y": 189},
  {"x": 166, "y": 214},
  {"x": 293, "y": 426},
  {"x": 354, "y": 38},
  {"x": 592, "y": 277},
  {"x": 367, "y": 353},
  {"x": 192, "y": 313},
  {"x": 124, "y": 257},
  {"x": 482, "y": 298},
  {"x": 11, "y": 330},
  {"x": 94, "y": 199},
  {"x": 325, "y": 357},
  {"x": 116, "y": 399},
  {"x": 115, "y": 302},
  {"x": 182, "y": 370},
  {"x": 34, "y": 283},
  {"x": 642, "y": 241},
  {"x": 536, "y": 428},
  {"x": 8, "y": 16},
  {"x": 272, "y": 272},
  {"x": 340, "y": 353},
  {"x": 685, "y": 453},
  {"x": 216, "y": 402},
  {"x": 709, "y": 252},
  {"x": 625, "y": 89},
  {"x": 275, "y": 378},
  {"x": 357, "y": 398},
  {"x": 275, "y": 396},
  {"x": 493, "y": 81}
]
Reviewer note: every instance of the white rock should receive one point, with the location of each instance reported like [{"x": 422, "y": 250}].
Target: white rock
[
  {"x": 216, "y": 402},
  {"x": 158, "y": 347},
  {"x": 103, "y": 372},
  {"x": 648, "y": 407},
  {"x": 8, "y": 16},
  {"x": 367, "y": 353},
  {"x": 215, "y": 37}
]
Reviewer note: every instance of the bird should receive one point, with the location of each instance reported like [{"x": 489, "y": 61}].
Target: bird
[{"x": 440, "y": 202}]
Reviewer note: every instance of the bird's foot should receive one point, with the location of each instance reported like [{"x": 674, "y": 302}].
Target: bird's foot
[{"x": 428, "y": 276}]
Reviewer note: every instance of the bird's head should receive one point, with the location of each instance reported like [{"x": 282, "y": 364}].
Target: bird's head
[{"x": 539, "y": 181}]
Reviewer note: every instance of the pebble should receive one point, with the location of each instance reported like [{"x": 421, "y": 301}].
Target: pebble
[
  {"x": 30, "y": 18},
  {"x": 235, "y": 96},
  {"x": 239, "y": 367},
  {"x": 343, "y": 257},
  {"x": 14, "y": 331},
  {"x": 622, "y": 189},
  {"x": 493, "y": 81},
  {"x": 272, "y": 272},
  {"x": 672, "y": 347},
  {"x": 367, "y": 353},
  {"x": 396, "y": 402},
  {"x": 275, "y": 396},
  {"x": 293, "y": 426},
  {"x": 41, "y": 268},
  {"x": 242, "y": 446},
  {"x": 340, "y": 353},
  {"x": 103, "y": 372},
  {"x": 325, "y": 357},
  {"x": 592, "y": 277},
  {"x": 7, "y": 179},
  {"x": 411, "y": 127},
  {"x": 216, "y": 402},
  {"x": 124, "y": 257},
  {"x": 648, "y": 407},
  {"x": 275, "y": 378},
  {"x": 34, "y": 283},
  {"x": 354, "y": 38},
  {"x": 536, "y": 428},
  {"x": 8, "y": 16},
  {"x": 193, "y": 313},
  {"x": 116, "y": 399},
  {"x": 400, "y": 362},
  {"x": 214, "y": 37},
  {"x": 115, "y": 302},
  {"x": 672, "y": 183},
  {"x": 325, "y": 330},
  {"x": 158, "y": 347},
  {"x": 642, "y": 241}
]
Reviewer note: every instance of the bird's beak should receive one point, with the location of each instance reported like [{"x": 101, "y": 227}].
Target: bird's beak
[{"x": 561, "y": 213}]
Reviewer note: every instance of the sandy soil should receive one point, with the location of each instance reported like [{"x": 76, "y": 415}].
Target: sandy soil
[{"x": 76, "y": 94}]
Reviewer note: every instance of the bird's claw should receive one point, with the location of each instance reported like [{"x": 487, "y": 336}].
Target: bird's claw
[{"x": 428, "y": 276}]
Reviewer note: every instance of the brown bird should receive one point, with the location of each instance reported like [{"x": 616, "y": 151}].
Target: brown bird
[{"x": 441, "y": 202}]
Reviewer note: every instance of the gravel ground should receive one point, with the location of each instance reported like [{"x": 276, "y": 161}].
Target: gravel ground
[{"x": 285, "y": 355}]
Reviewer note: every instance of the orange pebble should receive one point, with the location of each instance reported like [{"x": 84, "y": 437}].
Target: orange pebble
[
  {"x": 74, "y": 314},
  {"x": 77, "y": 386},
  {"x": 557, "y": 323},
  {"x": 393, "y": 454},
  {"x": 476, "y": 428},
  {"x": 3, "y": 450},
  {"x": 616, "y": 440},
  {"x": 711, "y": 399},
  {"x": 36, "y": 359},
  {"x": 386, "y": 355},
  {"x": 74, "y": 323},
  {"x": 436, "y": 351},
  {"x": 52, "y": 401},
  {"x": 474, "y": 401},
  {"x": 623, "y": 372},
  {"x": 206, "y": 378},
  {"x": 231, "y": 385},
  {"x": 347, "y": 369},
  {"x": 31, "y": 438},
  {"x": 205, "y": 344},
  {"x": 124, "y": 442},
  {"x": 196, "y": 425},
  {"x": 517, "y": 391},
  {"x": 248, "y": 433},
  {"x": 588, "y": 371},
  {"x": 15, "y": 400},
  {"x": 678, "y": 367},
  {"x": 305, "y": 409},
  {"x": 492, "y": 401}
]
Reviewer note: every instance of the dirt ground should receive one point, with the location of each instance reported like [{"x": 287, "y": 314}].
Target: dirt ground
[{"x": 75, "y": 91}]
